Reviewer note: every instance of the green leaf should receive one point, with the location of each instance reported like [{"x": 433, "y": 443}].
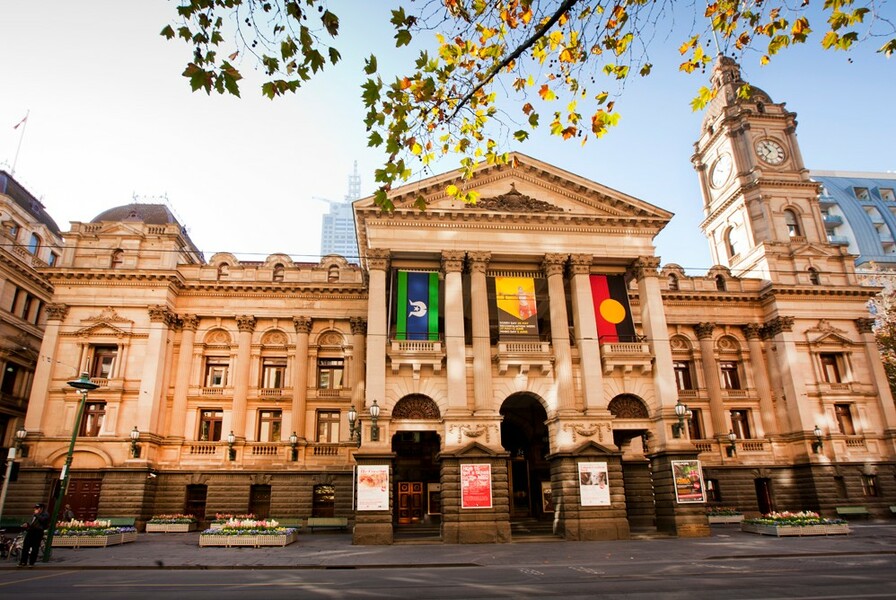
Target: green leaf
[
  {"x": 402, "y": 38},
  {"x": 520, "y": 135},
  {"x": 167, "y": 32},
  {"x": 370, "y": 65}
]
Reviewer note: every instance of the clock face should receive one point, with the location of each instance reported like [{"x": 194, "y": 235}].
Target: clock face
[
  {"x": 770, "y": 151},
  {"x": 721, "y": 170}
]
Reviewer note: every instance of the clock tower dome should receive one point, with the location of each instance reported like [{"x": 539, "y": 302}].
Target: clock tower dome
[{"x": 761, "y": 209}]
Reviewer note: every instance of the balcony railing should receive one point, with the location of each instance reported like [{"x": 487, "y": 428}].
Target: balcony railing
[
  {"x": 626, "y": 356},
  {"x": 525, "y": 355},
  {"x": 204, "y": 448},
  {"x": 416, "y": 354},
  {"x": 855, "y": 442}
]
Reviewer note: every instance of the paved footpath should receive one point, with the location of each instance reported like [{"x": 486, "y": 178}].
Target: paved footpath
[{"x": 325, "y": 550}]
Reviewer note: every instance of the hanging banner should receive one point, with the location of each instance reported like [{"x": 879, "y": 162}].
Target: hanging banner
[
  {"x": 594, "y": 484},
  {"x": 611, "y": 309},
  {"x": 688, "y": 478},
  {"x": 373, "y": 487},
  {"x": 417, "y": 306},
  {"x": 515, "y": 299},
  {"x": 476, "y": 486}
]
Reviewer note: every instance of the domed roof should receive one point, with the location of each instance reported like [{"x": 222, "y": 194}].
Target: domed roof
[
  {"x": 151, "y": 214},
  {"x": 726, "y": 82}
]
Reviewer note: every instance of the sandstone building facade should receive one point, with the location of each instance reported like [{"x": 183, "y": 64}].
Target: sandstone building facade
[{"x": 523, "y": 360}]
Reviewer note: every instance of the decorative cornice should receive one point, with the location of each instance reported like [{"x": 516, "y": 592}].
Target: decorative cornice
[
  {"x": 752, "y": 331},
  {"x": 554, "y": 263},
  {"x": 56, "y": 312},
  {"x": 704, "y": 330},
  {"x": 378, "y": 259},
  {"x": 865, "y": 325},
  {"x": 646, "y": 266}
]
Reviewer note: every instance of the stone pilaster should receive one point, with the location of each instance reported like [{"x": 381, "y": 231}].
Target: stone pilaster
[
  {"x": 455, "y": 347},
  {"x": 752, "y": 332},
  {"x": 377, "y": 313},
  {"x": 300, "y": 376},
  {"x": 585, "y": 330},
  {"x": 189, "y": 324},
  {"x": 40, "y": 386},
  {"x": 482, "y": 345},
  {"x": 246, "y": 326},
  {"x": 553, "y": 266}
]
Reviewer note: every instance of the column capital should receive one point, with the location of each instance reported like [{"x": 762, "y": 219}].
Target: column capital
[
  {"x": 453, "y": 261},
  {"x": 160, "y": 314},
  {"x": 865, "y": 325},
  {"x": 646, "y": 266},
  {"x": 580, "y": 264},
  {"x": 56, "y": 312},
  {"x": 358, "y": 325},
  {"x": 478, "y": 261},
  {"x": 188, "y": 322},
  {"x": 704, "y": 330},
  {"x": 378, "y": 259},
  {"x": 778, "y": 325},
  {"x": 302, "y": 324},
  {"x": 245, "y": 323},
  {"x": 752, "y": 331},
  {"x": 553, "y": 263}
]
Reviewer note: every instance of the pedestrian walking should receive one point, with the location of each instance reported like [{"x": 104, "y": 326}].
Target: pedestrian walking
[
  {"x": 34, "y": 534},
  {"x": 68, "y": 514}
]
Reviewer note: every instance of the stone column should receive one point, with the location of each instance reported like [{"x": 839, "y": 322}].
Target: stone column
[
  {"x": 246, "y": 325},
  {"x": 878, "y": 379},
  {"x": 300, "y": 376},
  {"x": 40, "y": 388},
  {"x": 482, "y": 344},
  {"x": 760, "y": 377},
  {"x": 802, "y": 417},
  {"x": 359, "y": 349},
  {"x": 152, "y": 381},
  {"x": 585, "y": 330},
  {"x": 711, "y": 375},
  {"x": 377, "y": 323},
  {"x": 455, "y": 345},
  {"x": 653, "y": 322},
  {"x": 553, "y": 266},
  {"x": 189, "y": 324}
]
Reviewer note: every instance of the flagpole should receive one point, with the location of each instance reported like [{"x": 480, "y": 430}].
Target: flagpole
[{"x": 24, "y": 124}]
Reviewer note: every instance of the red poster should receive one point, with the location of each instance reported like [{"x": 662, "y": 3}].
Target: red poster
[{"x": 476, "y": 486}]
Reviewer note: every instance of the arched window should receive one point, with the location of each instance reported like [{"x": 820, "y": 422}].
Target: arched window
[
  {"x": 793, "y": 224},
  {"x": 333, "y": 273},
  {"x": 278, "y": 272},
  {"x": 33, "y": 243},
  {"x": 814, "y": 279},
  {"x": 117, "y": 258},
  {"x": 731, "y": 243},
  {"x": 223, "y": 270},
  {"x": 673, "y": 282},
  {"x": 720, "y": 283}
]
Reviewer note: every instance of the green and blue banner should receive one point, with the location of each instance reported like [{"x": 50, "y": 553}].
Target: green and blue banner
[{"x": 417, "y": 306}]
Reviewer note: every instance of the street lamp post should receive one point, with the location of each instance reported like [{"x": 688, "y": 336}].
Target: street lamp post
[
  {"x": 10, "y": 464},
  {"x": 135, "y": 446},
  {"x": 84, "y": 386}
]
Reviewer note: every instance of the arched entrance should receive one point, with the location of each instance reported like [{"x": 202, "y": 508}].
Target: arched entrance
[
  {"x": 525, "y": 436},
  {"x": 417, "y": 493},
  {"x": 630, "y": 434}
]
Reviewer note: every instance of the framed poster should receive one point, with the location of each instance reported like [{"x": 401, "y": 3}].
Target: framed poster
[
  {"x": 594, "y": 484},
  {"x": 475, "y": 486},
  {"x": 434, "y": 498},
  {"x": 547, "y": 497},
  {"x": 688, "y": 478},
  {"x": 373, "y": 487}
]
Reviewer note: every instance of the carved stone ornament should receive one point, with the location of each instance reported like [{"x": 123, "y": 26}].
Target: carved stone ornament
[
  {"x": 56, "y": 312},
  {"x": 274, "y": 338},
  {"x": 245, "y": 323},
  {"x": 704, "y": 330},
  {"x": 302, "y": 324},
  {"x": 865, "y": 325},
  {"x": 161, "y": 314},
  {"x": 727, "y": 344},
  {"x": 679, "y": 343},
  {"x": 330, "y": 338},
  {"x": 627, "y": 406},
  {"x": 779, "y": 325},
  {"x": 217, "y": 337},
  {"x": 416, "y": 407},
  {"x": 108, "y": 315},
  {"x": 588, "y": 430},
  {"x": 825, "y": 326},
  {"x": 752, "y": 331},
  {"x": 473, "y": 431},
  {"x": 190, "y": 322},
  {"x": 513, "y": 201},
  {"x": 358, "y": 325}
]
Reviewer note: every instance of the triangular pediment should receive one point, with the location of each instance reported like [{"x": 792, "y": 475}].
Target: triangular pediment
[
  {"x": 810, "y": 249},
  {"x": 101, "y": 330},
  {"x": 473, "y": 450},
  {"x": 121, "y": 229}
]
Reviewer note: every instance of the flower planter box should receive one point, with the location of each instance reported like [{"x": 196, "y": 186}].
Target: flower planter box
[
  {"x": 794, "y": 530},
  {"x": 724, "y": 519},
  {"x": 171, "y": 527},
  {"x": 93, "y": 541},
  {"x": 252, "y": 541}
]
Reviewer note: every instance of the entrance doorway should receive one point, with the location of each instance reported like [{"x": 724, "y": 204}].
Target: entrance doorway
[
  {"x": 525, "y": 436},
  {"x": 84, "y": 497},
  {"x": 416, "y": 474},
  {"x": 764, "y": 495}
]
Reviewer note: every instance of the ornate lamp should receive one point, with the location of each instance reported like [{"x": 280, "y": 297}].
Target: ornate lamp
[
  {"x": 354, "y": 433},
  {"x": 135, "y": 447},
  {"x": 21, "y": 434},
  {"x": 293, "y": 443},
  {"x": 374, "y": 428},
  {"x": 681, "y": 410},
  {"x": 231, "y": 452},
  {"x": 818, "y": 444},
  {"x": 732, "y": 447}
]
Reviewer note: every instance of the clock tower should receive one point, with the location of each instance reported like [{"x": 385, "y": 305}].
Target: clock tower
[{"x": 762, "y": 217}]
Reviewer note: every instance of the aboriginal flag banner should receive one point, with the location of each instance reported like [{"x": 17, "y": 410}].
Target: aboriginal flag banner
[
  {"x": 611, "y": 309},
  {"x": 417, "y": 306}
]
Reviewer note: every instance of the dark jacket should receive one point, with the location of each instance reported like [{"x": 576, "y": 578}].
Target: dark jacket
[{"x": 38, "y": 524}]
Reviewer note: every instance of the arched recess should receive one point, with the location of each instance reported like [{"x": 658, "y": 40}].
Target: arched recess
[
  {"x": 416, "y": 469},
  {"x": 524, "y": 435},
  {"x": 628, "y": 406},
  {"x": 416, "y": 407}
]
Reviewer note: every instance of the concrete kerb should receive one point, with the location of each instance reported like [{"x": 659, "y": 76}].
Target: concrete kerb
[{"x": 335, "y": 551}]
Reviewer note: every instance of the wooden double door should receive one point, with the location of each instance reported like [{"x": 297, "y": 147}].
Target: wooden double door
[{"x": 411, "y": 505}]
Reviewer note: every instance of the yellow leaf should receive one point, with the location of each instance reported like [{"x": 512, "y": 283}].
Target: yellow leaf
[{"x": 451, "y": 190}]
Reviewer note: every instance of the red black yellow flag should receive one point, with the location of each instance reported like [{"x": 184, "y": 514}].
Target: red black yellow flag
[{"x": 611, "y": 309}]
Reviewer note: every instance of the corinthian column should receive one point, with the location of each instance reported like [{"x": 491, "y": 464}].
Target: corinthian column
[
  {"x": 152, "y": 381},
  {"x": 40, "y": 388},
  {"x": 482, "y": 344},
  {"x": 300, "y": 375},
  {"x": 189, "y": 324},
  {"x": 246, "y": 325},
  {"x": 553, "y": 265},
  {"x": 455, "y": 346},
  {"x": 760, "y": 376},
  {"x": 377, "y": 265},
  {"x": 711, "y": 375}
]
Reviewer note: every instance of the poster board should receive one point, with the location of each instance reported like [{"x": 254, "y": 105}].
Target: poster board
[
  {"x": 475, "y": 486},
  {"x": 547, "y": 497},
  {"x": 434, "y": 498},
  {"x": 688, "y": 478},
  {"x": 373, "y": 487},
  {"x": 594, "y": 484}
]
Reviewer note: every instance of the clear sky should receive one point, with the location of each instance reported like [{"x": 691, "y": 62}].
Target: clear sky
[{"x": 111, "y": 119}]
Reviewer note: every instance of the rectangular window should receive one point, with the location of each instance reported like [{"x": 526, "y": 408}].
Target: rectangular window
[
  {"x": 887, "y": 194},
  {"x": 26, "y": 306},
  {"x": 869, "y": 485},
  {"x": 830, "y": 367},
  {"x": 682, "y": 370},
  {"x": 210, "y": 425},
  {"x": 273, "y": 373},
  {"x": 15, "y": 299},
  {"x": 52, "y": 258},
  {"x": 323, "y": 500},
  {"x": 844, "y": 419},
  {"x": 740, "y": 424},
  {"x": 329, "y": 373},
  {"x": 328, "y": 426},
  {"x": 103, "y": 360},
  {"x": 269, "y": 422},
  {"x": 730, "y": 378},
  {"x": 216, "y": 371},
  {"x": 92, "y": 420},
  {"x": 861, "y": 193},
  {"x": 695, "y": 424}
]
